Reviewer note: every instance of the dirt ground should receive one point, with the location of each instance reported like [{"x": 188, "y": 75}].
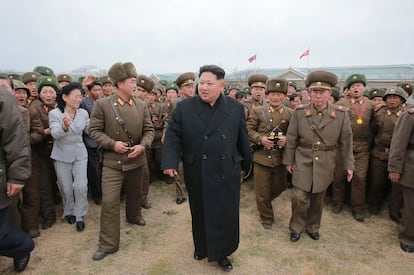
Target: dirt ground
[{"x": 164, "y": 245}]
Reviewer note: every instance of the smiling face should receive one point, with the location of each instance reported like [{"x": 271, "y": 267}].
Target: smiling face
[
  {"x": 73, "y": 99},
  {"x": 48, "y": 95}
]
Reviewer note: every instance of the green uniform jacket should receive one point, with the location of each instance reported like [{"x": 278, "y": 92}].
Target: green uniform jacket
[
  {"x": 401, "y": 157},
  {"x": 260, "y": 123},
  {"x": 385, "y": 120},
  {"x": 313, "y": 169},
  {"x": 105, "y": 130}
]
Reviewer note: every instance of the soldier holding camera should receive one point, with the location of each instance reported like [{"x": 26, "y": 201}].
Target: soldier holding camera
[{"x": 267, "y": 126}]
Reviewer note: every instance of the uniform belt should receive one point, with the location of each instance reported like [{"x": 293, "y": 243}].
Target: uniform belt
[{"x": 318, "y": 146}]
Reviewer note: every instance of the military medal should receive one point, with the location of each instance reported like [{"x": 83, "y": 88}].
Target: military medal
[{"x": 360, "y": 113}]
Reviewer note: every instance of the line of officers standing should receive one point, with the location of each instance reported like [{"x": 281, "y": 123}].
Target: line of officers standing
[{"x": 271, "y": 106}]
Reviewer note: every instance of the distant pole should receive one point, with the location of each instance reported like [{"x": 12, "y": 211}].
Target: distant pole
[
  {"x": 307, "y": 61},
  {"x": 255, "y": 64}
]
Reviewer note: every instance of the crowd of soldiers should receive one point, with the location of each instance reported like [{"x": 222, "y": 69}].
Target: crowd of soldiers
[{"x": 269, "y": 107}]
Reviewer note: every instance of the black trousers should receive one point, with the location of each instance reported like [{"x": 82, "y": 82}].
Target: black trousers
[
  {"x": 94, "y": 173},
  {"x": 14, "y": 243}
]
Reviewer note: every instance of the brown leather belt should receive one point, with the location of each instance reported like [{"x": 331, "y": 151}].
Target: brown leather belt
[{"x": 318, "y": 146}]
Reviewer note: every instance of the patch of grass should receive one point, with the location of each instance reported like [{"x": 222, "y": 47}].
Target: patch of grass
[{"x": 160, "y": 268}]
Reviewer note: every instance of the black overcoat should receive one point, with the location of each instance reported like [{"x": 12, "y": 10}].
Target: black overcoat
[{"x": 214, "y": 146}]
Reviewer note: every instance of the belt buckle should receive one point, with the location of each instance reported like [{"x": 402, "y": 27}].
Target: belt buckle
[
  {"x": 315, "y": 146},
  {"x": 386, "y": 150}
]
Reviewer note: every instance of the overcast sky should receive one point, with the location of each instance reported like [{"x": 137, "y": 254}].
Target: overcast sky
[{"x": 162, "y": 36}]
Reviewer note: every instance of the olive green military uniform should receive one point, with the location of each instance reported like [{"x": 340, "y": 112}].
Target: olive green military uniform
[
  {"x": 119, "y": 170},
  {"x": 269, "y": 173},
  {"x": 385, "y": 120},
  {"x": 312, "y": 154},
  {"x": 401, "y": 160},
  {"x": 361, "y": 115}
]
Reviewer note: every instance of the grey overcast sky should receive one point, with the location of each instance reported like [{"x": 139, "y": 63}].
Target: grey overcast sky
[{"x": 162, "y": 36}]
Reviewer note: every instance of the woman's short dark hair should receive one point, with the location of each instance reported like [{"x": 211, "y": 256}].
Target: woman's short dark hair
[
  {"x": 66, "y": 90},
  {"x": 216, "y": 70},
  {"x": 292, "y": 96}
]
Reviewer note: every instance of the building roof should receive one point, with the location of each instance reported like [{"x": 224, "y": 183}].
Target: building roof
[{"x": 404, "y": 72}]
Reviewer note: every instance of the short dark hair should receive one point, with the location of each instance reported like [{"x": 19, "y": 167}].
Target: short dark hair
[
  {"x": 292, "y": 96},
  {"x": 93, "y": 84},
  {"x": 66, "y": 91},
  {"x": 216, "y": 70},
  {"x": 241, "y": 94}
]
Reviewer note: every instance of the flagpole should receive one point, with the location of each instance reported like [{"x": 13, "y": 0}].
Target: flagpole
[
  {"x": 307, "y": 60},
  {"x": 255, "y": 63}
]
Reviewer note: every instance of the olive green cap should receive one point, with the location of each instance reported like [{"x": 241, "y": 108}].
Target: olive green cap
[
  {"x": 277, "y": 85},
  {"x": 46, "y": 81},
  {"x": 247, "y": 90},
  {"x": 45, "y": 71},
  {"x": 145, "y": 82},
  {"x": 172, "y": 86},
  {"x": 185, "y": 79},
  {"x": 321, "y": 80},
  {"x": 376, "y": 92},
  {"x": 293, "y": 84},
  {"x": 335, "y": 93},
  {"x": 17, "y": 84},
  {"x": 235, "y": 86},
  {"x": 30, "y": 76},
  {"x": 105, "y": 79},
  {"x": 406, "y": 87},
  {"x": 355, "y": 78},
  {"x": 64, "y": 77},
  {"x": 15, "y": 77},
  {"x": 398, "y": 91},
  {"x": 257, "y": 80},
  {"x": 164, "y": 82}
]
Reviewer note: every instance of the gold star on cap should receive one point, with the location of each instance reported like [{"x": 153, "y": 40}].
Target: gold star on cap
[
  {"x": 47, "y": 71},
  {"x": 64, "y": 76},
  {"x": 318, "y": 83},
  {"x": 354, "y": 77},
  {"x": 392, "y": 90},
  {"x": 142, "y": 81},
  {"x": 277, "y": 84},
  {"x": 261, "y": 83},
  {"x": 407, "y": 86},
  {"x": 49, "y": 79},
  {"x": 33, "y": 75}
]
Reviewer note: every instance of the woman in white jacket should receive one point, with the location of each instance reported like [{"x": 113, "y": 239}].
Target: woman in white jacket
[{"x": 67, "y": 123}]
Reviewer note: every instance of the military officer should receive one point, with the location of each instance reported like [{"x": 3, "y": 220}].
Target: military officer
[
  {"x": 315, "y": 132},
  {"x": 361, "y": 114},
  {"x": 107, "y": 86},
  {"x": 385, "y": 119},
  {"x": 144, "y": 86},
  {"x": 401, "y": 170},
  {"x": 408, "y": 88},
  {"x": 267, "y": 126},
  {"x": 376, "y": 95},
  {"x": 63, "y": 80},
  {"x": 122, "y": 126},
  {"x": 233, "y": 89},
  {"x": 257, "y": 83},
  {"x": 29, "y": 79}
]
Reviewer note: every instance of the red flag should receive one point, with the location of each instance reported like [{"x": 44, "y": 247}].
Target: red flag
[
  {"x": 251, "y": 59},
  {"x": 305, "y": 53}
]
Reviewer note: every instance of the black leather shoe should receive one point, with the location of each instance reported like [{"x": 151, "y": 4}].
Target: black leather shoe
[
  {"x": 225, "y": 264},
  {"x": 407, "y": 248},
  {"x": 294, "y": 237},
  {"x": 396, "y": 217},
  {"x": 358, "y": 216},
  {"x": 47, "y": 224},
  {"x": 314, "y": 236},
  {"x": 140, "y": 222},
  {"x": 146, "y": 205},
  {"x": 20, "y": 264},
  {"x": 70, "y": 219},
  {"x": 80, "y": 225},
  {"x": 99, "y": 255},
  {"x": 180, "y": 200},
  {"x": 198, "y": 256}
]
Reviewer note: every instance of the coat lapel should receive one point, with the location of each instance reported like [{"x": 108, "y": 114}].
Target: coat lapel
[
  {"x": 219, "y": 115},
  {"x": 328, "y": 116}
]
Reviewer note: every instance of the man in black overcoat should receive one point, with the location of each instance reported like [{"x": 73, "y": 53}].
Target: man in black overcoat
[{"x": 208, "y": 132}]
